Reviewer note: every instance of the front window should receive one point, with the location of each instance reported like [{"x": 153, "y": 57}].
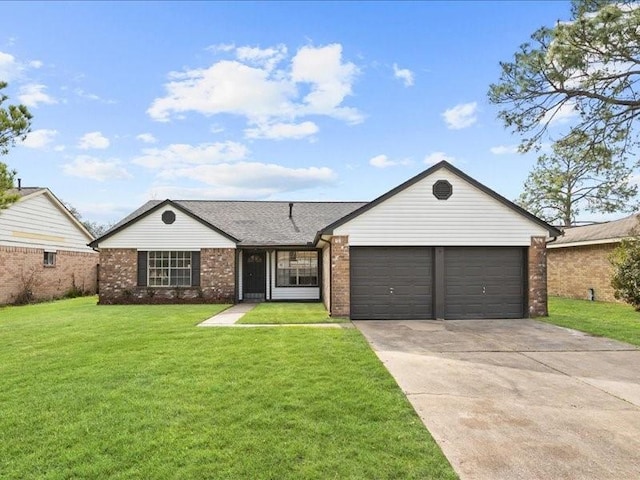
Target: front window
[
  {"x": 297, "y": 269},
  {"x": 169, "y": 269},
  {"x": 49, "y": 259}
]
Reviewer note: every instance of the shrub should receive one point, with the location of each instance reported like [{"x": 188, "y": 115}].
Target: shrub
[{"x": 626, "y": 272}]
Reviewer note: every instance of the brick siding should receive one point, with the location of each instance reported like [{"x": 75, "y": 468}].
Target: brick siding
[
  {"x": 119, "y": 278},
  {"x": 538, "y": 277},
  {"x": 23, "y": 268},
  {"x": 340, "y": 297},
  {"x": 574, "y": 270}
]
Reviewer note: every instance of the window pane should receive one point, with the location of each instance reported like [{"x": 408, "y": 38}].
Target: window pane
[
  {"x": 297, "y": 268},
  {"x": 169, "y": 269}
]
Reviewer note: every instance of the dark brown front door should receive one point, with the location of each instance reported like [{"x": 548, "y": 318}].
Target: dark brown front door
[{"x": 253, "y": 275}]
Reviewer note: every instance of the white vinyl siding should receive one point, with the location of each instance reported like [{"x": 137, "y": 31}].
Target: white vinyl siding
[
  {"x": 289, "y": 293},
  {"x": 37, "y": 222},
  {"x": 414, "y": 217},
  {"x": 151, "y": 233}
]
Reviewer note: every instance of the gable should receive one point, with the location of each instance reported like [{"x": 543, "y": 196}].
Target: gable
[
  {"x": 37, "y": 221},
  {"x": 414, "y": 216},
  {"x": 150, "y": 232}
]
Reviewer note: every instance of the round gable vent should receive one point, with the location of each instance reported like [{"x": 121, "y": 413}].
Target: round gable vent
[
  {"x": 442, "y": 190},
  {"x": 168, "y": 217}
]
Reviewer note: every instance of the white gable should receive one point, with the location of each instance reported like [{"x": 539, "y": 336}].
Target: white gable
[
  {"x": 414, "y": 216},
  {"x": 37, "y": 221},
  {"x": 151, "y": 232}
]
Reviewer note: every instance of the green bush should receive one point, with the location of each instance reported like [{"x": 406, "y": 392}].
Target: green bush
[{"x": 626, "y": 272}]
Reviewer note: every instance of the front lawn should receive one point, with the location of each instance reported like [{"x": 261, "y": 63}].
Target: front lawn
[
  {"x": 138, "y": 392},
  {"x": 286, "y": 312},
  {"x": 612, "y": 320}
]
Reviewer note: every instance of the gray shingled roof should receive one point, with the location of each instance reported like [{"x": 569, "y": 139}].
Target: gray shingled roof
[
  {"x": 600, "y": 232},
  {"x": 261, "y": 223},
  {"x": 24, "y": 191}
]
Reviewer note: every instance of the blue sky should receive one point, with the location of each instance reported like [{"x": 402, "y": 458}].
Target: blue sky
[{"x": 275, "y": 101}]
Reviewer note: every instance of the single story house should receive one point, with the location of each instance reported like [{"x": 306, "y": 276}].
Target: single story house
[
  {"x": 441, "y": 245},
  {"x": 579, "y": 265},
  {"x": 43, "y": 249}
]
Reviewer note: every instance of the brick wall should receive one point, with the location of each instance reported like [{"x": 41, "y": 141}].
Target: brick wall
[
  {"x": 538, "y": 277},
  {"x": 23, "y": 268},
  {"x": 340, "y": 300},
  {"x": 573, "y": 270},
  {"x": 119, "y": 277}
]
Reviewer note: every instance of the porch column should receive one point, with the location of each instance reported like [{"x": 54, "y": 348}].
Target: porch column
[{"x": 340, "y": 300}]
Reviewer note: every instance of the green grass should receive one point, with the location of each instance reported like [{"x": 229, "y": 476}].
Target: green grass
[
  {"x": 612, "y": 320},
  {"x": 139, "y": 392},
  {"x": 286, "y": 312}
]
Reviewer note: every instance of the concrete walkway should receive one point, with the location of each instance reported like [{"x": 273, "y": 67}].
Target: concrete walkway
[
  {"x": 231, "y": 315},
  {"x": 518, "y": 399}
]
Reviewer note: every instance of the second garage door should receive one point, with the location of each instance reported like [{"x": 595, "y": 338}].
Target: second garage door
[
  {"x": 407, "y": 283},
  {"x": 484, "y": 282}
]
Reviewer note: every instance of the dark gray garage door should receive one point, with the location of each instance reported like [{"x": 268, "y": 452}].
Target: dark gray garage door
[
  {"x": 484, "y": 282},
  {"x": 391, "y": 283}
]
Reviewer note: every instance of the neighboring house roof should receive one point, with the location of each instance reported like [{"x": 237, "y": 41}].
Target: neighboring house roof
[
  {"x": 252, "y": 223},
  {"x": 553, "y": 231},
  {"x": 607, "y": 232},
  {"x": 26, "y": 191}
]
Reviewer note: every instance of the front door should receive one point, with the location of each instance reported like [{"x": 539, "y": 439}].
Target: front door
[{"x": 253, "y": 275}]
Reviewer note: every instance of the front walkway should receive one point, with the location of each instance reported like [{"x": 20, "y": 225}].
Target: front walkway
[
  {"x": 229, "y": 317},
  {"x": 518, "y": 399}
]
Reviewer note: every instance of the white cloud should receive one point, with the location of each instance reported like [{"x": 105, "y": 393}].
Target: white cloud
[
  {"x": 504, "y": 149},
  {"x": 268, "y": 58},
  {"x": 403, "y": 74},
  {"x": 209, "y": 193},
  {"x": 281, "y": 131},
  {"x": 9, "y": 68},
  {"x": 382, "y": 161},
  {"x": 264, "y": 87},
  {"x": 39, "y": 138},
  {"x": 331, "y": 81},
  {"x": 559, "y": 115},
  {"x": 183, "y": 155},
  {"x": 92, "y": 96},
  {"x": 36, "y": 64},
  {"x": 436, "y": 157},
  {"x": 93, "y": 140},
  {"x": 147, "y": 138},
  {"x": 221, "y": 47},
  {"x": 59, "y": 148},
  {"x": 93, "y": 168},
  {"x": 34, "y": 94},
  {"x": 461, "y": 116},
  {"x": 262, "y": 176}
]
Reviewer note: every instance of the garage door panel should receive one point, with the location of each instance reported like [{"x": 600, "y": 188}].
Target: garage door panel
[
  {"x": 484, "y": 282},
  {"x": 391, "y": 282}
]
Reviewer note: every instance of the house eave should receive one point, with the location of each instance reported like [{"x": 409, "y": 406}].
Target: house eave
[{"x": 585, "y": 243}]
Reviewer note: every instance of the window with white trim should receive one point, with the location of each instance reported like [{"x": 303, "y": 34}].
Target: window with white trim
[
  {"x": 297, "y": 268},
  {"x": 49, "y": 259},
  {"x": 169, "y": 269}
]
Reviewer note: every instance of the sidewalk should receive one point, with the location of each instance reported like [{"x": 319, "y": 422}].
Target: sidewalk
[{"x": 230, "y": 316}]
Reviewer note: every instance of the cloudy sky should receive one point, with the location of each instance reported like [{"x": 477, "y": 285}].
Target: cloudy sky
[{"x": 273, "y": 101}]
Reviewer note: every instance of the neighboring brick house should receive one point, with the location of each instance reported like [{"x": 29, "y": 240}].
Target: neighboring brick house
[
  {"x": 441, "y": 245},
  {"x": 579, "y": 265},
  {"x": 43, "y": 249}
]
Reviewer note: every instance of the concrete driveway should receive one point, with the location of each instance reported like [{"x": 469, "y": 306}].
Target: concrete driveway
[{"x": 518, "y": 399}]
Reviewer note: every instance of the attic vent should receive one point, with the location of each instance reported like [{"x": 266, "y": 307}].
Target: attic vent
[
  {"x": 168, "y": 217},
  {"x": 442, "y": 190}
]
